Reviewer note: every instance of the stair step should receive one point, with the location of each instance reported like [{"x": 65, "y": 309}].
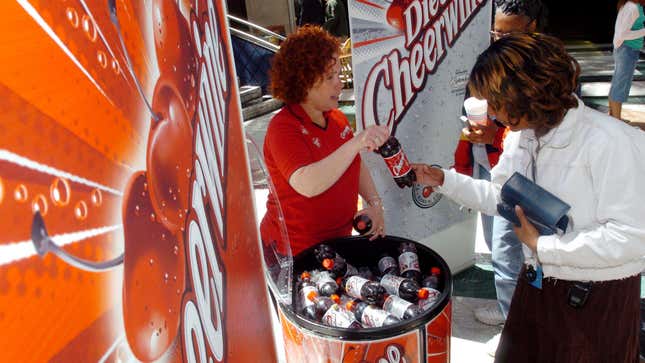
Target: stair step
[
  {"x": 266, "y": 105},
  {"x": 249, "y": 93}
]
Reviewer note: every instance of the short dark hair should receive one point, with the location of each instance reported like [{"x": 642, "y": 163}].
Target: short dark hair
[
  {"x": 527, "y": 75},
  {"x": 535, "y": 10}
]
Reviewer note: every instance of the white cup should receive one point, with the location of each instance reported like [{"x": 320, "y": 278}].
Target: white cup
[{"x": 476, "y": 110}]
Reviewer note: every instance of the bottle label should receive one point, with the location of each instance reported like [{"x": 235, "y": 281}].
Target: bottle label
[
  {"x": 323, "y": 278},
  {"x": 373, "y": 317},
  {"x": 409, "y": 261},
  {"x": 303, "y": 295},
  {"x": 391, "y": 283},
  {"x": 385, "y": 263},
  {"x": 396, "y": 306},
  {"x": 354, "y": 285},
  {"x": 337, "y": 317},
  {"x": 433, "y": 296},
  {"x": 398, "y": 164}
]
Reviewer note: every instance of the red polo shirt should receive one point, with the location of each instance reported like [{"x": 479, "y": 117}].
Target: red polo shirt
[{"x": 293, "y": 141}]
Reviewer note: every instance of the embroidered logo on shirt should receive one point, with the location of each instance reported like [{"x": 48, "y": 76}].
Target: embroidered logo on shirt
[
  {"x": 316, "y": 141},
  {"x": 304, "y": 131},
  {"x": 346, "y": 131}
]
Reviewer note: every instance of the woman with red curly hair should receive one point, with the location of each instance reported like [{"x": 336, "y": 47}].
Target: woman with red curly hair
[
  {"x": 584, "y": 305},
  {"x": 311, "y": 153}
]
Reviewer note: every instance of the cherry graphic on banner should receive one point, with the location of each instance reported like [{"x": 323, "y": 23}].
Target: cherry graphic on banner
[
  {"x": 169, "y": 156},
  {"x": 394, "y": 13},
  {"x": 175, "y": 50},
  {"x": 153, "y": 275}
]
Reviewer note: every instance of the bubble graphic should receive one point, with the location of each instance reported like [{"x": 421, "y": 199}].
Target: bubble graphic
[
  {"x": 60, "y": 192},
  {"x": 39, "y": 204},
  {"x": 72, "y": 16},
  {"x": 96, "y": 197},
  {"x": 102, "y": 58},
  {"x": 20, "y": 193},
  {"x": 80, "y": 210},
  {"x": 88, "y": 28}
]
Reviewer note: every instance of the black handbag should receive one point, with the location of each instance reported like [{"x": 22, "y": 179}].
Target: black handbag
[{"x": 547, "y": 212}]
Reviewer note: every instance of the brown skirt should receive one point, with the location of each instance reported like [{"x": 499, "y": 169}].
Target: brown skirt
[{"x": 541, "y": 326}]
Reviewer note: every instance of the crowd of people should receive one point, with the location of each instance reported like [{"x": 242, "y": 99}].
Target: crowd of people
[{"x": 585, "y": 305}]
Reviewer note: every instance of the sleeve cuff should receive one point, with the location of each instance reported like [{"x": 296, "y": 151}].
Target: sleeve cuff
[
  {"x": 449, "y": 182},
  {"x": 546, "y": 250}
]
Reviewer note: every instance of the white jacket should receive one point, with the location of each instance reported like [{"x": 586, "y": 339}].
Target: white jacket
[{"x": 596, "y": 164}]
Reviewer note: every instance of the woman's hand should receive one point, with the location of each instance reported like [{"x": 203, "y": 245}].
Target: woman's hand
[
  {"x": 372, "y": 137},
  {"x": 375, "y": 212},
  {"x": 428, "y": 175},
  {"x": 526, "y": 232}
]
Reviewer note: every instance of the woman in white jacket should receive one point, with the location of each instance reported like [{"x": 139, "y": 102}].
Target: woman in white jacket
[
  {"x": 587, "y": 307},
  {"x": 628, "y": 42}
]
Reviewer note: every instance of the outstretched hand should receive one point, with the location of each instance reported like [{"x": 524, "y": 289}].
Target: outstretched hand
[
  {"x": 375, "y": 213},
  {"x": 428, "y": 175},
  {"x": 526, "y": 232}
]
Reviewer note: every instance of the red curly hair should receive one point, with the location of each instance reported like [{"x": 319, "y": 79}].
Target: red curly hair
[{"x": 303, "y": 59}]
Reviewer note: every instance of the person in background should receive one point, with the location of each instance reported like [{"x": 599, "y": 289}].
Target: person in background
[
  {"x": 587, "y": 307},
  {"x": 336, "y": 19},
  {"x": 311, "y": 12},
  {"x": 311, "y": 153},
  {"x": 479, "y": 149},
  {"x": 628, "y": 41}
]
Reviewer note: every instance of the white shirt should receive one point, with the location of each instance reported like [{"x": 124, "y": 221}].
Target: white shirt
[
  {"x": 594, "y": 163},
  {"x": 625, "y": 19}
]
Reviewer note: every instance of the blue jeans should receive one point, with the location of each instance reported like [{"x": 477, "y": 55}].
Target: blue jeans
[
  {"x": 487, "y": 221},
  {"x": 507, "y": 258},
  {"x": 625, "y": 59}
]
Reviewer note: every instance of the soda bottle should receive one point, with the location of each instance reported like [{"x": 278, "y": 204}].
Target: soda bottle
[
  {"x": 404, "y": 288},
  {"x": 325, "y": 282},
  {"x": 434, "y": 279},
  {"x": 363, "y": 289},
  {"x": 409, "y": 261},
  {"x": 397, "y": 162},
  {"x": 366, "y": 273},
  {"x": 331, "y": 313},
  {"x": 362, "y": 224},
  {"x": 371, "y": 316},
  {"x": 333, "y": 262},
  {"x": 400, "y": 308},
  {"x": 433, "y": 297},
  {"x": 306, "y": 286},
  {"x": 387, "y": 265}
]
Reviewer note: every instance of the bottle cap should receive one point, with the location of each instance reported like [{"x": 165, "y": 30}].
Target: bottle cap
[
  {"x": 350, "y": 305},
  {"x": 328, "y": 263},
  {"x": 435, "y": 271},
  {"x": 423, "y": 294},
  {"x": 360, "y": 225},
  {"x": 312, "y": 295},
  {"x": 335, "y": 298},
  {"x": 305, "y": 275}
]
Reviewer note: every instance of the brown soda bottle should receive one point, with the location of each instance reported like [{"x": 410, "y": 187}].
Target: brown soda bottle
[
  {"x": 369, "y": 315},
  {"x": 331, "y": 314},
  {"x": 431, "y": 300},
  {"x": 401, "y": 308},
  {"x": 397, "y": 162},
  {"x": 333, "y": 262},
  {"x": 387, "y": 265},
  {"x": 409, "y": 261},
  {"x": 434, "y": 279},
  {"x": 325, "y": 282},
  {"x": 306, "y": 286},
  {"x": 362, "y": 224},
  {"x": 363, "y": 289},
  {"x": 404, "y": 288}
]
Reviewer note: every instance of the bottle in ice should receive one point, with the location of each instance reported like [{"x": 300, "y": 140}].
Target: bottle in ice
[
  {"x": 362, "y": 224},
  {"x": 434, "y": 279},
  {"x": 433, "y": 297},
  {"x": 404, "y": 288},
  {"x": 400, "y": 308},
  {"x": 363, "y": 289},
  {"x": 305, "y": 287},
  {"x": 325, "y": 282},
  {"x": 331, "y": 313},
  {"x": 387, "y": 265},
  {"x": 369, "y": 315},
  {"x": 409, "y": 261},
  {"x": 397, "y": 162},
  {"x": 333, "y": 262}
]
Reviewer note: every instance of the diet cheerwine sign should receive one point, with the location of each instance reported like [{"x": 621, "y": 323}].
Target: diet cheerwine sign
[
  {"x": 411, "y": 61},
  {"x": 122, "y": 158}
]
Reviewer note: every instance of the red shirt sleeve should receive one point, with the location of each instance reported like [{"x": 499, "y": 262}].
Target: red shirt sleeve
[
  {"x": 464, "y": 157},
  {"x": 288, "y": 146}
]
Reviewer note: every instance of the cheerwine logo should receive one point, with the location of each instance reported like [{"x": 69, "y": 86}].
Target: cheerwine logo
[
  {"x": 431, "y": 27},
  {"x": 203, "y": 310}
]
